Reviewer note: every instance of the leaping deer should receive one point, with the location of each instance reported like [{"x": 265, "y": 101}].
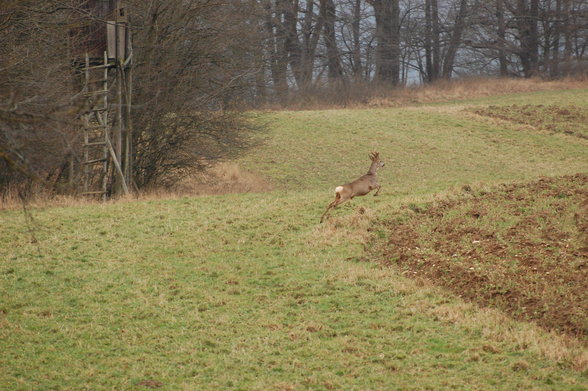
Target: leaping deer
[{"x": 359, "y": 187}]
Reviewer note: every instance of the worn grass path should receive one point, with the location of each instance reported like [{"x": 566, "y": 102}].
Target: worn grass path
[{"x": 249, "y": 292}]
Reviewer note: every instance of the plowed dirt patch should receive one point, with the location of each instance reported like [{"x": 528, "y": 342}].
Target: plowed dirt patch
[
  {"x": 522, "y": 249},
  {"x": 572, "y": 120}
]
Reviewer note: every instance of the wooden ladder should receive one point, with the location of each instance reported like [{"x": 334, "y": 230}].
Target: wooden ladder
[{"x": 96, "y": 129}]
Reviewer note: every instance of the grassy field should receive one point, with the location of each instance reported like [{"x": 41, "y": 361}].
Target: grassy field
[{"x": 249, "y": 292}]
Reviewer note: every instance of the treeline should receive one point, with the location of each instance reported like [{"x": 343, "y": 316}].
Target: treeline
[
  {"x": 312, "y": 44},
  {"x": 196, "y": 62}
]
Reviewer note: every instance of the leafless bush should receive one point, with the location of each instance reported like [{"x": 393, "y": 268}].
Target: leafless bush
[
  {"x": 37, "y": 106},
  {"x": 178, "y": 144},
  {"x": 191, "y": 64}
]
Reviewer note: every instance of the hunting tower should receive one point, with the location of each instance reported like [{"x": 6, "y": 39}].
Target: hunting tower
[{"x": 103, "y": 55}]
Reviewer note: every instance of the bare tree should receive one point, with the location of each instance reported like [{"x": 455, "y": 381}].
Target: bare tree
[
  {"x": 275, "y": 47},
  {"x": 387, "y": 13},
  {"x": 432, "y": 43},
  {"x": 38, "y": 103},
  {"x": 501, "y": 36},
  {"x": 356, "y": 59},
  {"x": 530, "y": 37},
  {"x": 333, "y": 59},
  {"x": 193, "y": 61},
  {"x": 455, "y": 39}
]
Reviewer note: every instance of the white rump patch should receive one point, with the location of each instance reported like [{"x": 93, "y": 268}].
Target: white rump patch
[{"x": 338, "y": 189}]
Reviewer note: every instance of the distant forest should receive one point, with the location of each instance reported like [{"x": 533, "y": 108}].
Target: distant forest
[{"x": 197, "y": 62}]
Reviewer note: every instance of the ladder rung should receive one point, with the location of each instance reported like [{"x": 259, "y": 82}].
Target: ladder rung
[
  {"x": 91, "y": 127},
  {"x": 95, "y": 143},
  {"x": 99, "y": 66},
  {"x": 99, "y": 109},
  {"x": 96, "y": 93},
  {"x": 95, "y": 161}
]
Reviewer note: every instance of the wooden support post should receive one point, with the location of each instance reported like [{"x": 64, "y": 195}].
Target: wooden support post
[
  {"x": 105, "y": 123},
  {"x": 86, "y": 141}
]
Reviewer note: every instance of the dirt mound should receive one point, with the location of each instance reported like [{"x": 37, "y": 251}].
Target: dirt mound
[
  {"x": 572, "y": 120},
  {"x": 522, "y": 249}
]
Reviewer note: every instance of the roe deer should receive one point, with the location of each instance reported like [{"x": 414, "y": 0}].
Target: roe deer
[{"x": 359, "y": 187}]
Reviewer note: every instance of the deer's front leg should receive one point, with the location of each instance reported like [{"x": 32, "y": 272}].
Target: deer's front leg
[{"x": 378, "y": 187}]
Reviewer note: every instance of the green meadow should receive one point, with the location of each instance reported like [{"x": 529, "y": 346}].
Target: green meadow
[{"x": 250, "y": 292}]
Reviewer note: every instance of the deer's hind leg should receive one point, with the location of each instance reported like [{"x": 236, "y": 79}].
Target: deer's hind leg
[
  {"x": 331, "y": 205},
  {"x": 338, "y": 201}
]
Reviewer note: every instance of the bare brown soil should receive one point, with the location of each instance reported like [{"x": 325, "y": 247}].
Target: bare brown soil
[
  {"x": 522, "y": 249},
  {"x": 572, "y": 120}
]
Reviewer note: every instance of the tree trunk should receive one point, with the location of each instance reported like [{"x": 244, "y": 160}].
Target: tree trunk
[
  {"x": 307, "y": 51},
  {"x": 333, "y": 60},
  {"x": 527, "y": 29},
  {"x": 567, "y": 29},
  {"x": 553, "y": 59},
  {"x": 436, "y": 42},
  {"x": 534, "y": 37},
  {"x": 277, "y": 52},
  {"x": 455, "y": 41},
  {"x": 501, "y": 37},
  {"x": 387, "y": 14},
  {"x": 260, "y": 77},
  {"x": 311, "y": 35},
  {"x": 428, "y": 42},
  {"x": 432, "y": 44},
  {"x": 289, "y": 10},
  {"x": 356, "y": 55}
]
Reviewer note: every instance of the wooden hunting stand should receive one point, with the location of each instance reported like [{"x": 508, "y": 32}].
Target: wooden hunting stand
[{"x": 104, "y": 56}]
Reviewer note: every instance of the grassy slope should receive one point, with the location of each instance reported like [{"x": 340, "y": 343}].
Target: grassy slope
[
  {"x": 426, "y": 149},
  {"x": 248, "y": 292}
]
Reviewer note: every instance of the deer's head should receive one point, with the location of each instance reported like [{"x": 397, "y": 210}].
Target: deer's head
[{"x": 376, "y": 162}]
